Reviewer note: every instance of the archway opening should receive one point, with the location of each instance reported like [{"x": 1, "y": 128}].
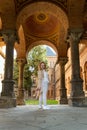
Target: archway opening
[{"x": 34, "y": 57}]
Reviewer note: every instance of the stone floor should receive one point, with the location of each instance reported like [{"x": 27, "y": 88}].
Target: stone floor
[{"x": 29, "y": 117}]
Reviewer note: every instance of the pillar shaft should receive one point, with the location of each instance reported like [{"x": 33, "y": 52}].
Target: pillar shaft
[
  {"x": 7, "y": 83},
  {"x": 75, "y": 56},
  {"x": 7, "y": 95},
  {"x": 77, "y": 94},
  {"x": 63, "y": 95},
  {"x": 20, "y": 97}
]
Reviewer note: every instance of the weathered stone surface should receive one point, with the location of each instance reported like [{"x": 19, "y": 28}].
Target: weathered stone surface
[{"x": 7, "y": 102}]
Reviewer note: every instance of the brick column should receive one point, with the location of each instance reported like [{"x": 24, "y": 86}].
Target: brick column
[
  {"x": 7, "y": 96},
  {"x": 20, "y": 97},
  {"x": 63, "y": 94},
  {"x": 77, "y": 95}
]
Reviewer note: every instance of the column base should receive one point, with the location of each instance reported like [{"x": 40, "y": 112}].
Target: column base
[
  {"x": 7, "y": 88},
  {"x": 76, "y": 101},
  {"x": 63, "y": 96},
  {"x": 85, "y": 101},
  {"x": 77, "y": 96},
  {"x": 63, "y": 101},
  {"x": 7, "y": 102},
  {"x": 77, "y": 88},
  {"x": 20, "y": 101}
]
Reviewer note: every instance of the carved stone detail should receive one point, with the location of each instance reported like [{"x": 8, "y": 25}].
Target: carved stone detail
[
  {"x": 63, "y": 60},
  {"x": 75, "y": 35},
  {"x": 9, "y": 35}
]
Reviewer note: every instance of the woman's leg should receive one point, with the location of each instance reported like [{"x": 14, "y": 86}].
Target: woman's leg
[
  {"x": 40, "y": 100},
  {"x": 45, "y": 95},
  {"x": 45, "y": 89}
]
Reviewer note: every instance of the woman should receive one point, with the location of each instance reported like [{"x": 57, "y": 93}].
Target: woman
[{"x": 43, "y": 82}]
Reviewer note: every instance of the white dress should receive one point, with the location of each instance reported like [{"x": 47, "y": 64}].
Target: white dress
[
  {"x": 40, "y": 76},
  {"x": 43, "y": 83}
]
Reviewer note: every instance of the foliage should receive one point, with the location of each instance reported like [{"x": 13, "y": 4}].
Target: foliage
[
  {"x": 35, "y": 56},
  {"x": 27, "y": 78},
  {"x": 36, "y": 102}
]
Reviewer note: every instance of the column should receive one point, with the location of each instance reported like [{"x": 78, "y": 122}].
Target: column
[
  {"x": 20, "y": 97},
  {"x": 63, "y": 94},
  {"x": 7, "y": 96},
  {"x": 77, "y": 95}
]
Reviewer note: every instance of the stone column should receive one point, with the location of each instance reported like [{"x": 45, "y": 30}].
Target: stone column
[
  {"x": 7, "y": 96},
  {"x": 77, "y": 95},
  {"x": 20, "y": 97},
  {"x": 63, "y": 94}
]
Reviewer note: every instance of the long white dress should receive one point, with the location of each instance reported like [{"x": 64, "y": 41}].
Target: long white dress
[{"x": 43, "y": 84}]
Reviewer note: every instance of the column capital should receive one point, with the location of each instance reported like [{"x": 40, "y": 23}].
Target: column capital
[
  {"x": 75, "y": 34},
  {"x": 22, "y": 61},
  {"x": 9, "y": 35},
  {"x": 63, "y": 60}
]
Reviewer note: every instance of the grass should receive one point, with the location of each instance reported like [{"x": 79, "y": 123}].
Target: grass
[{"x": 36, "y": 102}]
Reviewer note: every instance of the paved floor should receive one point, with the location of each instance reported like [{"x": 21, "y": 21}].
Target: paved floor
[{"x": 59, "y": 117}]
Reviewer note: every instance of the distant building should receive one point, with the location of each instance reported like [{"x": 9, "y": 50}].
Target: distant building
[{"x": 52, "y": 58}]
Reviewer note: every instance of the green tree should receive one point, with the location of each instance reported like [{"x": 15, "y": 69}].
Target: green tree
[{"x": 35, "y": 56}]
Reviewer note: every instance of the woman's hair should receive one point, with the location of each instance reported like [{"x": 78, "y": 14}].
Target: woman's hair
[{"x": 40, "y": 65}]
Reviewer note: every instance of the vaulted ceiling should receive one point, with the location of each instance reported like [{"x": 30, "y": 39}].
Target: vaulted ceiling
[{"x": 42, "y": 22}]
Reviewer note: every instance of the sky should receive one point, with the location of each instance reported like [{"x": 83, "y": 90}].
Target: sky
[{"x": 50, "y": 48}]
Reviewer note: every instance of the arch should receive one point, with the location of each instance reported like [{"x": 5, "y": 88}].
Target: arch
[
  {"x": 21, "y": 47},
  {"x": 42, "y": 42}
]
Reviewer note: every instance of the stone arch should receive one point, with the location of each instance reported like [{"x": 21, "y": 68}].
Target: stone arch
[
  {"x": 42, "y": 42},
  {"x": 22, "y": 43}
]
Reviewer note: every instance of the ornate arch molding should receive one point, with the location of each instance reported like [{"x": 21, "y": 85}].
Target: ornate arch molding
[
  {"x": 43, "y": 7},
  {"x": 20, "y": 4},
  {"x": 42, "y": 42}
]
